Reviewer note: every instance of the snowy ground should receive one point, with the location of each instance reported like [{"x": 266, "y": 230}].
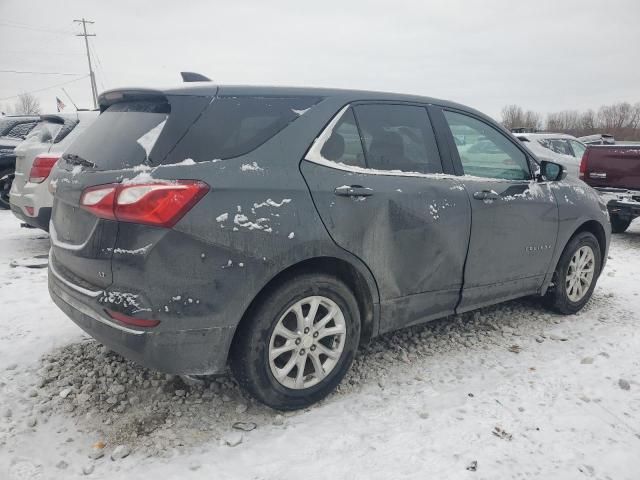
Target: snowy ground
[{"x": 521, "y": 392}]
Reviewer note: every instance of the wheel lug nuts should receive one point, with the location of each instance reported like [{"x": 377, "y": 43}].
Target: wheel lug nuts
[
  {"x": 313, "y": 347},
  {"x": 302, "y": 351},
  {"x": 297, "y": 341},
  {"x": 306, "y": 330},
  {"x": 315, "y": 335}
]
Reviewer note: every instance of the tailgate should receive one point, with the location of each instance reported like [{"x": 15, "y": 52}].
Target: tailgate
[
  {"x": 81, "y": 244},
  {"x": 126, "y": 136},
  {"x": 613, "y": 166}
]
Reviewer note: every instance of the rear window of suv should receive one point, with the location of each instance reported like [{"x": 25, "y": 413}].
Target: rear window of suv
[
  {"x": 122, "y": 136},
  {"x": 234, "y": 126}
]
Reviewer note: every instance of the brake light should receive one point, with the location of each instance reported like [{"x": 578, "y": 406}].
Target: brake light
[
  {"x": 582, "y": 174},
  {"x": 41, "y": 167},
  {"x": 160, "y": 204},
  {"x": 133, "y": 321}
]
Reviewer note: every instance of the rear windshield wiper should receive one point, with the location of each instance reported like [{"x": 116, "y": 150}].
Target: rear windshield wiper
[{"x": 78, "y": 160}]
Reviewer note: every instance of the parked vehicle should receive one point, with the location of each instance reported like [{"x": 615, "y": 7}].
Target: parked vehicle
[
  {"x": 13, "y": 130},
  {"x": 30, "y": 197},
  {"x": 556, "y": 147},
  {"x": 598, "y": 139},
  {"x": 267, "y": 227},
  {"x": 614, "y": 170}
]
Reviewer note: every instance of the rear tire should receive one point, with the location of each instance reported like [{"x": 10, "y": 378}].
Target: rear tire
[
  {"x": 6, "y": 179},
  {"x": 619, "y": 225},
  {"x": 576, "y": 275},
  {"x": 283, "y": 321}
]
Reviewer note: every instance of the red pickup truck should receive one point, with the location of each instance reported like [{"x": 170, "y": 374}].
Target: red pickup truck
[{"x": 614, "y": 170}]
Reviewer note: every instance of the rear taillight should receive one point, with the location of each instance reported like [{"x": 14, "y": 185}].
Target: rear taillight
[
  {"x": 582, "y": 174},
  {"x": 41, "y": 167},
  {"x": 160, "y": 204},
  {"x": 133, "y": 321}
]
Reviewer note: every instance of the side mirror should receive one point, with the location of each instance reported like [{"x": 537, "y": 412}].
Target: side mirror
[{"x": 551, "y": 171}]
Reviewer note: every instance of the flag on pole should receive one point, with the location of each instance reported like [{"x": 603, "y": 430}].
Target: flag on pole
[{"x": 60, "y": 104}]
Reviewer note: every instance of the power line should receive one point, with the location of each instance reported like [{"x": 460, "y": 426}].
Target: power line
[
  {"x": 39, "y": 73},
  {"x": 46, "y": 88},
  {"x": 25, "y": 26},
  {"x": 34, "y": 52}
]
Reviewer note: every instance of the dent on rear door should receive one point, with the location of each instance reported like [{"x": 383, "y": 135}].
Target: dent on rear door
[{"x": 412, "y": 233}]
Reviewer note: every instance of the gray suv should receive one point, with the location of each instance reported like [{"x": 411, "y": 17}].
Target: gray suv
[{"x": 277, "y": 229}]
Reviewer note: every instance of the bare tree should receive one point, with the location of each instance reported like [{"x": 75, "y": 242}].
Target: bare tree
[
  {"x": 532, "y": 120},
  {"x": 27, "y": 104},
  {"x": 622, "y": 120},
  {"x": 513, "y": 116}
]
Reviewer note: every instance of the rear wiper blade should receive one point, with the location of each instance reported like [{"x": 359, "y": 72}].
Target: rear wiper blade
[{"x": 78, "y": 160}]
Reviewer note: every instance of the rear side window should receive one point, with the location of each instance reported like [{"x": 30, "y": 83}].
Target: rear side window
[
  {"x": 578, "y": 148},
  {"x": 558, "y": 145},
  {"x": 21, "y": 130},
  {"x": 234, "y": 126},
  {"x": 123, "y": 135},
  {"x": 398, "y": 137}
]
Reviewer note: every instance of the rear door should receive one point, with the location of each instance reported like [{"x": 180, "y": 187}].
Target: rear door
[
  {"x": 514, "y": 217},
  {"x": 373, "y": 175}
]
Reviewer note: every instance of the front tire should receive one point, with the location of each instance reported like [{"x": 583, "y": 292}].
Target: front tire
[
  {"x": 298, "y": 342},
  {"x": 576, "y": 274},
  {"x": 619, "y": 225}
]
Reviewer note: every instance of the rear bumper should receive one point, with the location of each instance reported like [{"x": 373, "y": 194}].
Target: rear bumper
[
  {"x": 196, "y": 352},
  {"x": 620, "y": 202},
  {"x": 41, "y": 220}
]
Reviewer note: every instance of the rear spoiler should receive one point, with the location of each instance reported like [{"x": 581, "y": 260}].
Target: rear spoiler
[
  {"x": 52, "y": 119},
  {"x": 111, "y": 97}
]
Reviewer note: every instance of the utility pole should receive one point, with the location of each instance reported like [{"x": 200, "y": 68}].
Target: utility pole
[{"x": 94, "y": 89}]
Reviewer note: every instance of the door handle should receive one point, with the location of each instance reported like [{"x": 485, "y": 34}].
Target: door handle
[
  {"x": 353, "y": 191},
  {"x": 486, "y": 195}
]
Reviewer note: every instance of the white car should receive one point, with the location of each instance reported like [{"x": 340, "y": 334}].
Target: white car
[
  {"x": 36, "y": 156},
  {"x": 555, "y": 147}
]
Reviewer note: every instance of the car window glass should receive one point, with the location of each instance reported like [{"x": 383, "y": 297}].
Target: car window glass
[
  {"x": 398, "y": 137},
  {"x": 578, "y": 148},
  {"x": 339, "y": 142},
  {"x": 484, "y": 151},
  {"x": 236, "y": 125},
  {"x": 557, "y": 145},
  {"x": 21, "y": 130}
]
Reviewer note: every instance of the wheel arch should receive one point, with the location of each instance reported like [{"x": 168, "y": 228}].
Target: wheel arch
[
  {"x": 364, "y": 290},
  {"x": 598, "y": 231},
  {"x": 592, "y": 226}
]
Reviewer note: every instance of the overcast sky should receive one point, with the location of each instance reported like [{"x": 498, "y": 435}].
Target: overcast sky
[{"x": 543, "y": 55}]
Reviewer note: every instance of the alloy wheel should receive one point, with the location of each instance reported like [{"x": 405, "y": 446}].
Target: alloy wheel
[
  {"x": 580, "y": 273},
  {"x": 307, "y": 342}
]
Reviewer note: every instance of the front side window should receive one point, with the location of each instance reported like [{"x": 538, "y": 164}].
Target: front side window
[
  {"x": 484, "y": 151},
  {"x": 398, "y": 137}
]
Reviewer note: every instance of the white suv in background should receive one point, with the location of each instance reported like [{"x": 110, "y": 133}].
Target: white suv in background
[
  {"x": 555, "y": 147},
  {"x": 30, "y": 198}
]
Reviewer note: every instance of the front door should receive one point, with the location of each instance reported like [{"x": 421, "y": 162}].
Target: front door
[
  {"x": 371, "y": 176},
  {"x": 514, "y": 218}
]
